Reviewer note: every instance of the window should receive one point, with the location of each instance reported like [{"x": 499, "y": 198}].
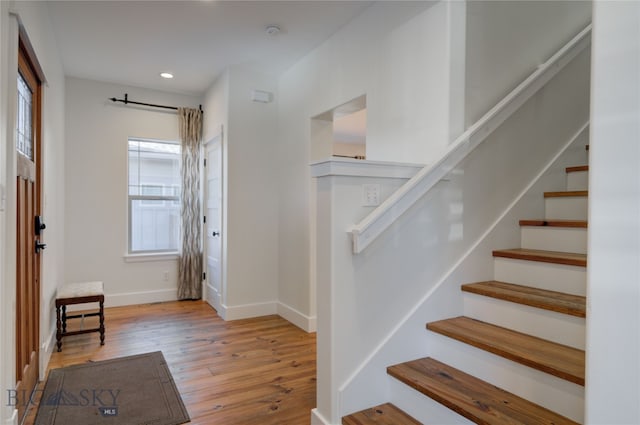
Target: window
[
  {"x": 154, "y": 196},
  {"x": 24, "y": 136}
]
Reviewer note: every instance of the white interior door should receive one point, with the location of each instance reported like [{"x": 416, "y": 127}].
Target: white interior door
[{"x": 215, "y": 290}]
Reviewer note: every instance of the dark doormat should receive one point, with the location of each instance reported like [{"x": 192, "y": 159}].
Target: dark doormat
[{"x": 134, "y": 390}]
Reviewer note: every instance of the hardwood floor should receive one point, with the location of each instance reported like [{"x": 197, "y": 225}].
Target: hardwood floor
[{"x": 253, "y": 371}]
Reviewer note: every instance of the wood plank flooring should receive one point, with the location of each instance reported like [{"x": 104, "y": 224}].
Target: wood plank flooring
[{"x": 252, "y": 371}]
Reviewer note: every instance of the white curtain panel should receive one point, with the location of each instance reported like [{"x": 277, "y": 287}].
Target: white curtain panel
[{"x": 190, "y": 262}]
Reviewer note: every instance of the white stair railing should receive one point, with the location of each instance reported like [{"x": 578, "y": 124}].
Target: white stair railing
[{"x": 365, "y": 232}]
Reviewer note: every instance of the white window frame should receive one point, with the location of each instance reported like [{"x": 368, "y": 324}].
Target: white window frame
[{"x": 149, "y": 255}]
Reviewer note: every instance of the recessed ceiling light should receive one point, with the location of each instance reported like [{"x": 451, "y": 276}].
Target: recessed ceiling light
[
  {"x": 272, "y": 30},
  {"x": 166, "y": 75}
]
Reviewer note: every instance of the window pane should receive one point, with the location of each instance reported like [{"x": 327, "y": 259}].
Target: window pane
[
  {"x": 155, "y": 225},
  {"x": 154, "y": 168},
  {"x": 24, "y": 133}
]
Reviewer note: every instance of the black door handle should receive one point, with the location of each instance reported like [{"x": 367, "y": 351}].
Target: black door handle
[
  {"x": 214, "y": 234},
  {"x": 40, "y": 246},
  {"x": 39, "y": 225}
]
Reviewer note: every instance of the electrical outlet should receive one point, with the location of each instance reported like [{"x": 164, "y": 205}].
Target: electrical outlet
[
  {"x": 370, "y": 195},
  {"x": 165, "y": 276}
]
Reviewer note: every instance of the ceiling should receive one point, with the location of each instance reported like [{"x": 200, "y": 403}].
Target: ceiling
[{"x": 131, "y": 42}]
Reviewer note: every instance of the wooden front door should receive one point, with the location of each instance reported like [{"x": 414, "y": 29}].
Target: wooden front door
[{"x": 28, "y": 181}]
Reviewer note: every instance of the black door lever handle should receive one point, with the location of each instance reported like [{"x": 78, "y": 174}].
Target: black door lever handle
[
  {"x": 39, "y": 225},
  {"x": 40, "y": 246}
]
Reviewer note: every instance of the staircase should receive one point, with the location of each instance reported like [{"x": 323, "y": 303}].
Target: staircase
[{"x": 532, "y": 316}]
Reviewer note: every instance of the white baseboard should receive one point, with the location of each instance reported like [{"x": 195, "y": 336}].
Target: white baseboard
[
  {"x": 145, "y": 297},
  {"x": 46, "y": 350},
  {"x": 246, "y": 311},
  {"x": 304, "y": 322},
  {"x": 130, "y": 298},
  {"x": 318, "y": 419}
]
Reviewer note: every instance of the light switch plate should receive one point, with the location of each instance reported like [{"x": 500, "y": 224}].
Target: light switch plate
[{"x": 370, "y": 195}]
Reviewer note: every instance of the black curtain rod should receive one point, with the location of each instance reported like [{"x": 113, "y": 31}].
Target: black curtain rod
[
  {"x": 126, "y": 101},
  {"x": 352, "y": 157}
]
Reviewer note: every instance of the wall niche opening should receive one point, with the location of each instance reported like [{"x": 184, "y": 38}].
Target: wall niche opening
[{"x": 340, "y": 132}]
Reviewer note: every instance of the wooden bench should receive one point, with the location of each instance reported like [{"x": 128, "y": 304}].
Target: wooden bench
[{"x": 78, "y": 293}]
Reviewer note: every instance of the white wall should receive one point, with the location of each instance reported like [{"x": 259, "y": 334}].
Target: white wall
[
  {"x": 216, "y": 106},
  {"x": 34, "y": 17},
  {"x": 395, "y": 53},
  {"x": 250, "y": 191},
  {"x": 252, "y": 210},
  {"x": 613, "y": 331},
  {"x": 507, "y": 40},
  {"x": 96, "y": 188}
]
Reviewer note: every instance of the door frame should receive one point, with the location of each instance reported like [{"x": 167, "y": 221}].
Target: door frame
[{"x": 217, "y": 301}]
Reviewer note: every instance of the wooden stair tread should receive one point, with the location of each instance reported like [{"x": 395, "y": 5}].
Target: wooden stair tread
[
  {"x": 555, "y": 223},
  {"x": 577, "y": 168},
  {"x": 568, "y": 258},
  {"x": 566, "y": 194},
  {"x": 556, "y": 359},
  {"x": 574, "y": 305},
  {"x": 384, "y": 414},
  {"x": 471, "y": 397}
]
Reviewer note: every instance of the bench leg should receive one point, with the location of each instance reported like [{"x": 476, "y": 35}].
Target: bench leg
[
  {"x": 64, "y": 318},
  {"x": 102, "y": 321},
  {"x": 58, "y": 329}
]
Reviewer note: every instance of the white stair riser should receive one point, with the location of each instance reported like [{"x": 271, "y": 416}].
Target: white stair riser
[
  {"x": 554, "y": 277},
  {"x": 556, "y": 394},
  {"x": 549, "y": 325},
  {"x": 569, "y": 208},
  {"x": 422, "y": 407},
  {"x": 554, "y": 238},
  {"x": 578, "y": 180}
]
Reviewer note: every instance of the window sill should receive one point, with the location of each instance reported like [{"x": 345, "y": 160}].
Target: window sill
[{"x": 154, "y": 256}]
